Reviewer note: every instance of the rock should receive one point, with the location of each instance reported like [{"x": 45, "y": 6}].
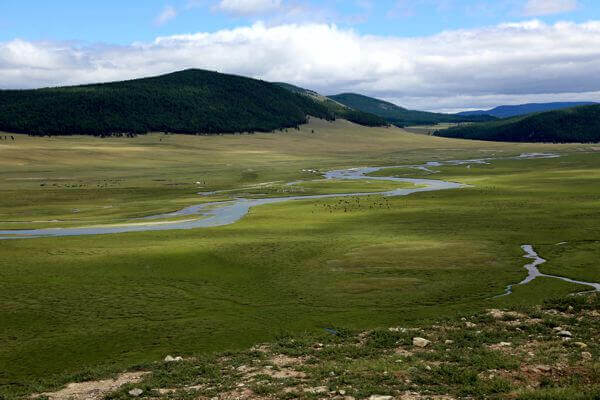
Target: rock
[
  {"x": 565, "y": 334},
  {"x": 496, "y": 314},
  {"x": 558, "y": 328},
  {"x": 543, "y": 368},
  {"x": 581, "y": 345},
  {"x": 173, "y": 359},
  {"x": 317, "y": 390},
  {"x": 504, "y": 344},
  {"x": 136, "y": 392},
  {"x": 420, "y": 342},
  {"x": 449, "y": 341},
  {"x": 380, "y": 397},
  {"x": 470, "y": 324},
  {"x": 342, "y": 392},
  {"x": 586, "y": 355}
]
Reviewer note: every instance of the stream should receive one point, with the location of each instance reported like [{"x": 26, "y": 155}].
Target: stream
[{"x": 533, "y": 272}]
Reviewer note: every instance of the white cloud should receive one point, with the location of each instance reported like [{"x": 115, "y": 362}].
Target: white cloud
[
  {"x": 248, "y": 7},
  {"x": 166, "y": 15},
  {"x": 508, "y": 63},
  {"x": 547, "y": 7}
]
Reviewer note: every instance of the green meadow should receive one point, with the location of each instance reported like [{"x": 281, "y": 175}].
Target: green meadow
[{"x": 73, "y": 308}]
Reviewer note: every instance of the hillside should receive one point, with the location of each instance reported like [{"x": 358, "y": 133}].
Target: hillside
[
  {"x": 338, "y": 109},
  {"x": 398, "y": 115},
  {"x": 524, "y": 109},
  {"x": 190, "y": 101},
  {"x": 571, "y": 125}
]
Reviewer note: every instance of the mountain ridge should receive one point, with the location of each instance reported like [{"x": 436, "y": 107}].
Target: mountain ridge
[
  {"x": 400, "y": 116},
  {"x": 508, "y": 111}
]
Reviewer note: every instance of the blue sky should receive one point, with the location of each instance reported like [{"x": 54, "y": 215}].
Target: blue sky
[
  {"x": 440, "y": 55},
  {"x": 124, "y": 22}
]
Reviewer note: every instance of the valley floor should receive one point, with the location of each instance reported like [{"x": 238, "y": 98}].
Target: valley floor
[{"x": 79, "y": 308}]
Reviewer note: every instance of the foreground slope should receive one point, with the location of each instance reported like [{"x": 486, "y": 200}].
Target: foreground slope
[
  {"x": 547, "y": 352},
  {"x": 572, "y": 125},
  {"x": 524, "y": 109},
  {"x": 190, "y": 101},
  {"x": 398, "y": 115}
]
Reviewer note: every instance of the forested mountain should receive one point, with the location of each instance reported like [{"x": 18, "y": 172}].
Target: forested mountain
[
  {"x": 398, "y": 115},
  {"x": 338, "y": 109},
  {"x": 190, "y": 101},
  {"x": 578, "y": 124},
  {"x": 524, "y": 109}
]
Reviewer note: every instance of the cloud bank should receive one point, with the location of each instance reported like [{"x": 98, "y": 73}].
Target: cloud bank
[{"x": 461, "y": 69}]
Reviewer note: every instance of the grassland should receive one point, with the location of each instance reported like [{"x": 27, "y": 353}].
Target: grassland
[{"x": 74, "y": 308}]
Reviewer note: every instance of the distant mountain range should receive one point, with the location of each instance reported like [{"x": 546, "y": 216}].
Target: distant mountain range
[
  {"x": 401, "y": 116},
  {"x": 524, "y": 109},
  {"x": 571, "y": 125},
  {"x": 203, "y": 102}
]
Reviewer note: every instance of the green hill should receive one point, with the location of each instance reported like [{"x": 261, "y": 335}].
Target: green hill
[
  {"x": 572, "y": 125},
  {"x": 190, "y": 101},
  {"x": 338, "y": 109},
  {"x": 398, "y": 115}
]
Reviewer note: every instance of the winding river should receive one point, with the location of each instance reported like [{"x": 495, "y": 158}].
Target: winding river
[{"x": 228, "y": 212}]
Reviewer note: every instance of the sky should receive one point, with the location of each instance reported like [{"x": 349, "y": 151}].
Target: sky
[{"x": 438, "y": 55}]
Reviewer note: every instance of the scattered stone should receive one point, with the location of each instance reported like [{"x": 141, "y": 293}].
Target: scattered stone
[
  {"x": 420, "y": 342},
  {"x": 470, "y": 324},
  {"x": 581, "y": 345},
  {"x": 317, "y": 390},
  {"x": 565, "y": 334},
  {"x": 93, "y": 390},
  {"x": 136, "y": 392},
  {"x": 543, "y": 368},
  {"x": 504, "y": 344},
  {"x": 380, "y": 397},
  {"x": 449, "y": 341},
  {"x": 173, "y": 359},
  {"x": 342, "y": 392},
  {"x": 586, "y": 355}
]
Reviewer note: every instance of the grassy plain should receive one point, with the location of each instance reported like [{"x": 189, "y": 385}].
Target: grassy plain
[{"x": 77, "y": 307}]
